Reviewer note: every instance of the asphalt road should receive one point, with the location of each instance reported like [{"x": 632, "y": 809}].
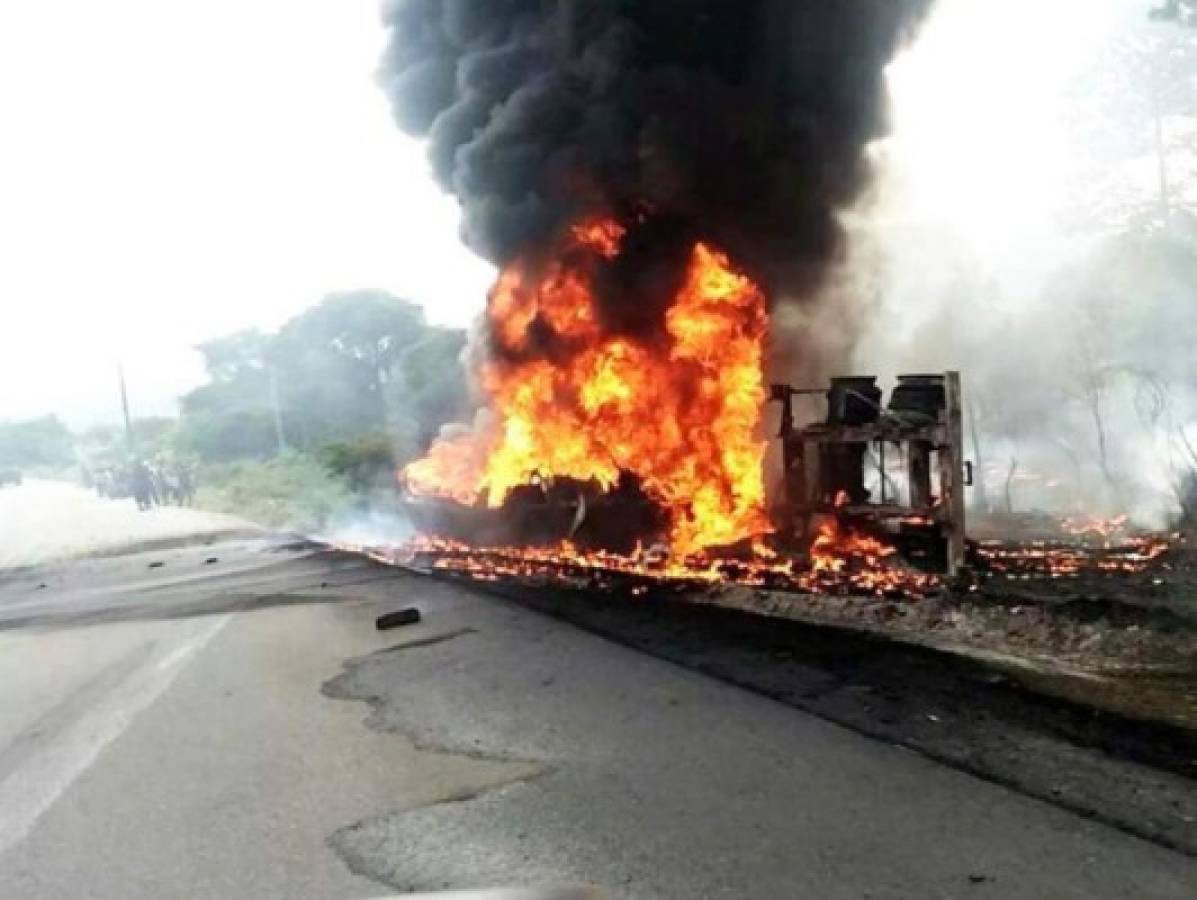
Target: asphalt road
[
  {"x": 278, "y": 746},
  {"x": 45, "y": 520}
]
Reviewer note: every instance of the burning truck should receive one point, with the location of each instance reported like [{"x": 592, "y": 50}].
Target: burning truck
[
  {"x": 647, "y": 453},
  {"x": 660, "y": 187}
]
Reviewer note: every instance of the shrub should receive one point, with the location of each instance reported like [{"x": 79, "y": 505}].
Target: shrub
[{"x": 292, "y": 490}]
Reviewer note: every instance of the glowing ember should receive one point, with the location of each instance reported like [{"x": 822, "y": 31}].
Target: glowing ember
[
  {"x": 1104, "y": 530},
  {"x": 1040, "y": 559},
  {"x": 679, "y": 409}
]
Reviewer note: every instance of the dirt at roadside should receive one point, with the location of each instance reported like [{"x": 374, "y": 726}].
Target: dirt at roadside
[{"x": 1125, "y": 642}]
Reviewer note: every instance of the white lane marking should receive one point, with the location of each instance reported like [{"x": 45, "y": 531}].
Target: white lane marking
[{"x": 33, "y": 788}]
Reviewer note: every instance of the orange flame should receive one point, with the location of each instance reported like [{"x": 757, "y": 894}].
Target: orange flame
[
  {"x": 681, "y": 412},
  {"x": 450, "y": 469}
]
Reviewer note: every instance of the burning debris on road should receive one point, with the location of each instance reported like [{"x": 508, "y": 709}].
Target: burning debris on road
[
  {"x": 836, "y": 564},
  {"x": 856, "y": 565}
]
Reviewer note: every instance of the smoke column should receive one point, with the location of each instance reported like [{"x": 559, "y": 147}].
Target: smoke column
[{"x": 740, "y": 122}]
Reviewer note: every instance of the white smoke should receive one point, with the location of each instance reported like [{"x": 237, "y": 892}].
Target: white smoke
[{"x": 1016, "y": 233}]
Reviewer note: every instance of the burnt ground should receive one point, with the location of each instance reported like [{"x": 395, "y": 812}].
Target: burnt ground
[
  {"x": 1090, "y": 641},
  {"x": 1162, "y": 595},
  {"x": 995, "y": 715}
]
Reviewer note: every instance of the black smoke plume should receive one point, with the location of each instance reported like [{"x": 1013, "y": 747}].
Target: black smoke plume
[{"x": 742, "y": 122}]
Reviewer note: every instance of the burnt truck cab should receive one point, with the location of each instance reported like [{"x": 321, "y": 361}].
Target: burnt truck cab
[{"x": 897, "y": 469}]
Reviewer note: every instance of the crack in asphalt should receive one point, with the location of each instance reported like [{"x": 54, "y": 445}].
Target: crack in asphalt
[
  {"x": 430, "y": 641},
  {"x": 360, "y": 856},
  {"x": 346, "y": 841},
  {"x": 344, "y": 687}
]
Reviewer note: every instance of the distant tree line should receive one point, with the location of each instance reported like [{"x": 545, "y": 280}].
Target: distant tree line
[
  {"x": 44, "y": 442},
  {"x": 290, "y": 426},
  {"x": 360, "y": 381}
]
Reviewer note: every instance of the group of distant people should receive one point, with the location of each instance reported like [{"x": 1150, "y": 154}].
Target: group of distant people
[{"x": 150, "y": 484}]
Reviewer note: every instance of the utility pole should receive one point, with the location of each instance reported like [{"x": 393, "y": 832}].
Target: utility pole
[
  {"x": 120, "y": 371},
  {"x": 276, "y": 408},
  {"x": 980, "y": 498},
  {"x": 1178, "y": 13}
]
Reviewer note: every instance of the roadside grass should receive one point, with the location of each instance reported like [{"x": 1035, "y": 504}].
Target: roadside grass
[{"x": 292, "y": 491}]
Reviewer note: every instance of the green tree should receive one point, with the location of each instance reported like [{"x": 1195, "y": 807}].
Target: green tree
[
  {"x": 227, "y": 436},
  {"x": 238, "y": 377},
  {"x": 230, "y": 417},
  {"x": 334, "y": 360},
  {"x": 355, "y": 370},
  {"x": 363, "y": 463}
]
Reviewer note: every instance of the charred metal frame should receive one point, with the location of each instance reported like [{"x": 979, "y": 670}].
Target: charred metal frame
[{"x": 824, "y": 465}]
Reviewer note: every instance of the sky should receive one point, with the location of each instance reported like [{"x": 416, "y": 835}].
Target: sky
[
  {"x": 980, "y": 152},
  {"x": 985, "y": 167},
  {"x": 171, "y": 172}
]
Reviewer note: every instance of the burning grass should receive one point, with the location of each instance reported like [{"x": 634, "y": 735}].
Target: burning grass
[{"x": 1062, "y": 559}]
